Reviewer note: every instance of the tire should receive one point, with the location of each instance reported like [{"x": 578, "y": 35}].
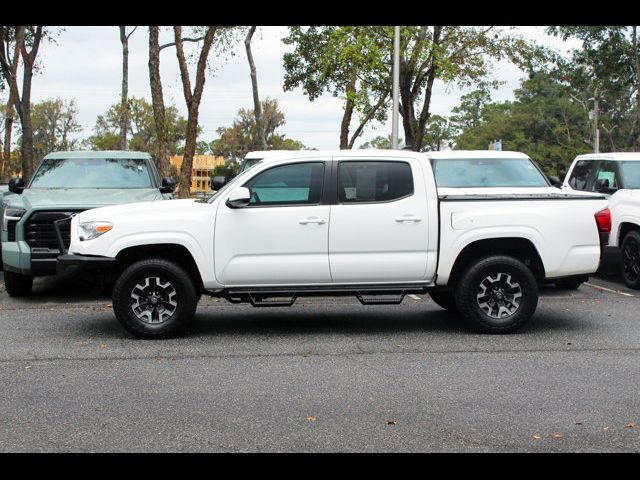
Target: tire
[
  {"x": 444, "y": 299},
  {"x": 148, "y": 308},
  {"x": 630, "y": 265},
  {"x": 503, "y": 311},
  {"x": 569, "y": 283},
  {"x": 17, "y": 284}
]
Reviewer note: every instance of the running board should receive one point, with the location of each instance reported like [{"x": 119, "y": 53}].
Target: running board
[{"x": 285, "y": 296}]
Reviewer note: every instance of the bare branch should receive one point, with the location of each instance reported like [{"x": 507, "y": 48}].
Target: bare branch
[{"x": 186, "y": 39}]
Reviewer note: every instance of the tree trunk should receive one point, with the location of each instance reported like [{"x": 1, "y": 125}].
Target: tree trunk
[
  {"x": 348, "y": 112},
  {"x": 6, "y": 157},
  {"x": 636, "y": 54},
  {"x": 193, "y": 103},
  {"x": 257, "y": 108},
  {"x": 157, "y": 101},
  {"x": 124, "y": 98}
]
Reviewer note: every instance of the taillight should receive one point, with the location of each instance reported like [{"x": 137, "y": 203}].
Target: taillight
[{"x": 603, "y": 221}]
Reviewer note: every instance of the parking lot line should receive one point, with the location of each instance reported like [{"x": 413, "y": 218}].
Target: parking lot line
[{"x": 600, "y": 287}]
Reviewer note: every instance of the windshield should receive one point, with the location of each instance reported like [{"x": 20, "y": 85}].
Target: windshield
[
  {"x": 92, "y": 173},
  {"x": 631, "y": 174},
  {"x": 488, "y": 172},
  {"x": 231, "y": 183}
]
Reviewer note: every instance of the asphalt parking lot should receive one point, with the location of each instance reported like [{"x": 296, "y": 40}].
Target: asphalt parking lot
[{"x": 323, "y": 375}]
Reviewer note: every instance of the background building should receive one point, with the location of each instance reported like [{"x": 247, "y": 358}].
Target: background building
[{"x": 202, "y": 167}]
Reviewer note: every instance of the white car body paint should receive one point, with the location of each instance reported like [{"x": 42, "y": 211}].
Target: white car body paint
[{"x": 415, "y": 239}]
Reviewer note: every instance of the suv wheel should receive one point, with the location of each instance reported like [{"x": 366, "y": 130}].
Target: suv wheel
[
  {"x": 630, "y": 250},
  {"x": 154, "y": 298},
  {"x": 497, "y": 294},
  {"x": 17, "y": 284}
]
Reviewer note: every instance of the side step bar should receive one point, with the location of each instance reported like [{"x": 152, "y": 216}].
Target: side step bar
[{"x": 285, "y": 296}]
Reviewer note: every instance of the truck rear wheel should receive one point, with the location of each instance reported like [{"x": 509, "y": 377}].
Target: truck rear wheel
[
  {"x": 445, "y": 299},
  {"x": 497, "y": 294},
  {"x": 17, "y": 284},
  {"x": 630, "y": 268},
  {"x": 154, "y": 298}
]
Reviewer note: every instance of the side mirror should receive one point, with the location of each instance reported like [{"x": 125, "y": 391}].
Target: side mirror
[
  {"x": 168, "y": 185},
  {"x": 602, "y": 186},
  {"x": 239, "y": 197},
  {"x": 218, "y": 182},
  {"x": 16, "y": 185},
  {"x": 555, "y": 181}
]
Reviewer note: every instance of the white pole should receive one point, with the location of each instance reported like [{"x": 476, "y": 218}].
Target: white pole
[{"x": 396, "y": 81}]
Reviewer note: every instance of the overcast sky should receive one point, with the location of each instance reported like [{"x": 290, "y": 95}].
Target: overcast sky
[{"x": 86, "y": 65}]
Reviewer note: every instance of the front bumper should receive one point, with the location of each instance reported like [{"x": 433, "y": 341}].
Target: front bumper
[{"x": 71, "y": 264}]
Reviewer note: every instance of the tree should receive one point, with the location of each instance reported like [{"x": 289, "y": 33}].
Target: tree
[
  {"x": 192, "y": 98},
  {"x": 468, "y": 114},
  {"x": 54, "y": 121},
  {"x": 544, "y": 122},
  {"x": 236, "y": 141},
  {"x": 27, "y": 42},
  {"x": 8, "y": 44},
  {"x": 606, "y": 71},
  {"x": 157, "y": 99},
  {"x": 124, "y": 98},
  {"x": 381, "y": 143},
  {"x": 438, "y": 134},
  {"x": 257, "y": 108},
  {"x": 143, "y": 132},
  {"x": 229, "y": 170},
  {"x": 348, "y": 62}
]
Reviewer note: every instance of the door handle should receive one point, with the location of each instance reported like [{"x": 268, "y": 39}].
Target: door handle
[
  {"x": 408, "y": 218},
  {"x": 319, "y": 221}
]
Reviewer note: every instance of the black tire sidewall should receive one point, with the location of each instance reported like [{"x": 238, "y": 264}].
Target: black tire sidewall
[
  {"x": 136, "y": 273},
  {"x": 468, "y": 286},
  {"x": 632, "y": 236},
  {"x": 17, "y": 284},
  {"x": 444, "y": 299}
]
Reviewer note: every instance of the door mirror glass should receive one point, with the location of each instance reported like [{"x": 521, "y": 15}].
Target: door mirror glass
[
  {"x": 218, "y": 182},
  {"x": 16, "y": 185},
  {"x": 239, "y": 197},
  {"x": 168, "y": 185}
]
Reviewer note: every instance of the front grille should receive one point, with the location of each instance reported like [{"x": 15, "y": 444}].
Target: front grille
[
  {"x": 11, "y": 230},
  {"x": 39, "y": 231}
]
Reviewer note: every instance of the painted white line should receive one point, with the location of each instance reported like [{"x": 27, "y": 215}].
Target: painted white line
[
  {"x": 599, "y": 287},
  {"x": 415, "y": 297}
]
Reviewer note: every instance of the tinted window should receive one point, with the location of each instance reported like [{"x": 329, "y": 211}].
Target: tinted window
[
  {"x": 295, "y": 184},
  {"x": 373, "y": 181},
  {"x": 581, "y": 174},
  {"x": 488, "y": 172},
  {"x": 249, "y": 163},
  {"x": 631, "y": 173},
  {"x": 606, "y": 176},
  {"x": 92, "y": 173}
]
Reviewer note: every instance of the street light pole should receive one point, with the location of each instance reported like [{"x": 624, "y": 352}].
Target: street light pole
[
  {"x": 596, "y": 141},
  {"x": 396, "y": 81}
]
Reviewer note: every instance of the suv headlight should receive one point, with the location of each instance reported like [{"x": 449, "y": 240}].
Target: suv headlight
[
  {"x": 91, "y": 230},
  {"x": 11, "y": 214}
]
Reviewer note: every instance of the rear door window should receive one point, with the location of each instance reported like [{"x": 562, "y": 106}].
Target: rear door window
[{"x": 373, "y": 181}]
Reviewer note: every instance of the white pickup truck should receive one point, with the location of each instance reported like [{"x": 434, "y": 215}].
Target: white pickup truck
[
  {"x": 364, "y": 223},
  {"x": 617, "y": 175}
]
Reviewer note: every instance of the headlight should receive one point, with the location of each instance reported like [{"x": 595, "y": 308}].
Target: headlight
[
  {"x": 11, "y": 214},
  {"x": 91, "y": 230}
]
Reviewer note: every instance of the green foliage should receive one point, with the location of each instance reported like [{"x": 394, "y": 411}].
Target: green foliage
[
  {"x": 543, "y": 122},
  {"x": 604, "y": 69},
  {"x": 229, "y": 169},
  {"x": 142, "y": 132},
  {"x": 241, "y": 137},
  {"x": 380, "y": 143},
  {"x": 54, "y": 121}
]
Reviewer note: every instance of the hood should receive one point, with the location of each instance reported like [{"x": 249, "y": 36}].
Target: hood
[
  {"x": 141, "y": 210},
  {"x": 85, "y": 197}
]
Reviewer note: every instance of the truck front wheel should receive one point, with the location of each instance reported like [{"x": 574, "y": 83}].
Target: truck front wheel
[
  {"x": 630, "y": 268},
  {"x": 445, "y": 299},
  {"x": 497, "y": 294},
  {"x": 17, "y": 284},
  {"x": 154, "y": 298}
]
